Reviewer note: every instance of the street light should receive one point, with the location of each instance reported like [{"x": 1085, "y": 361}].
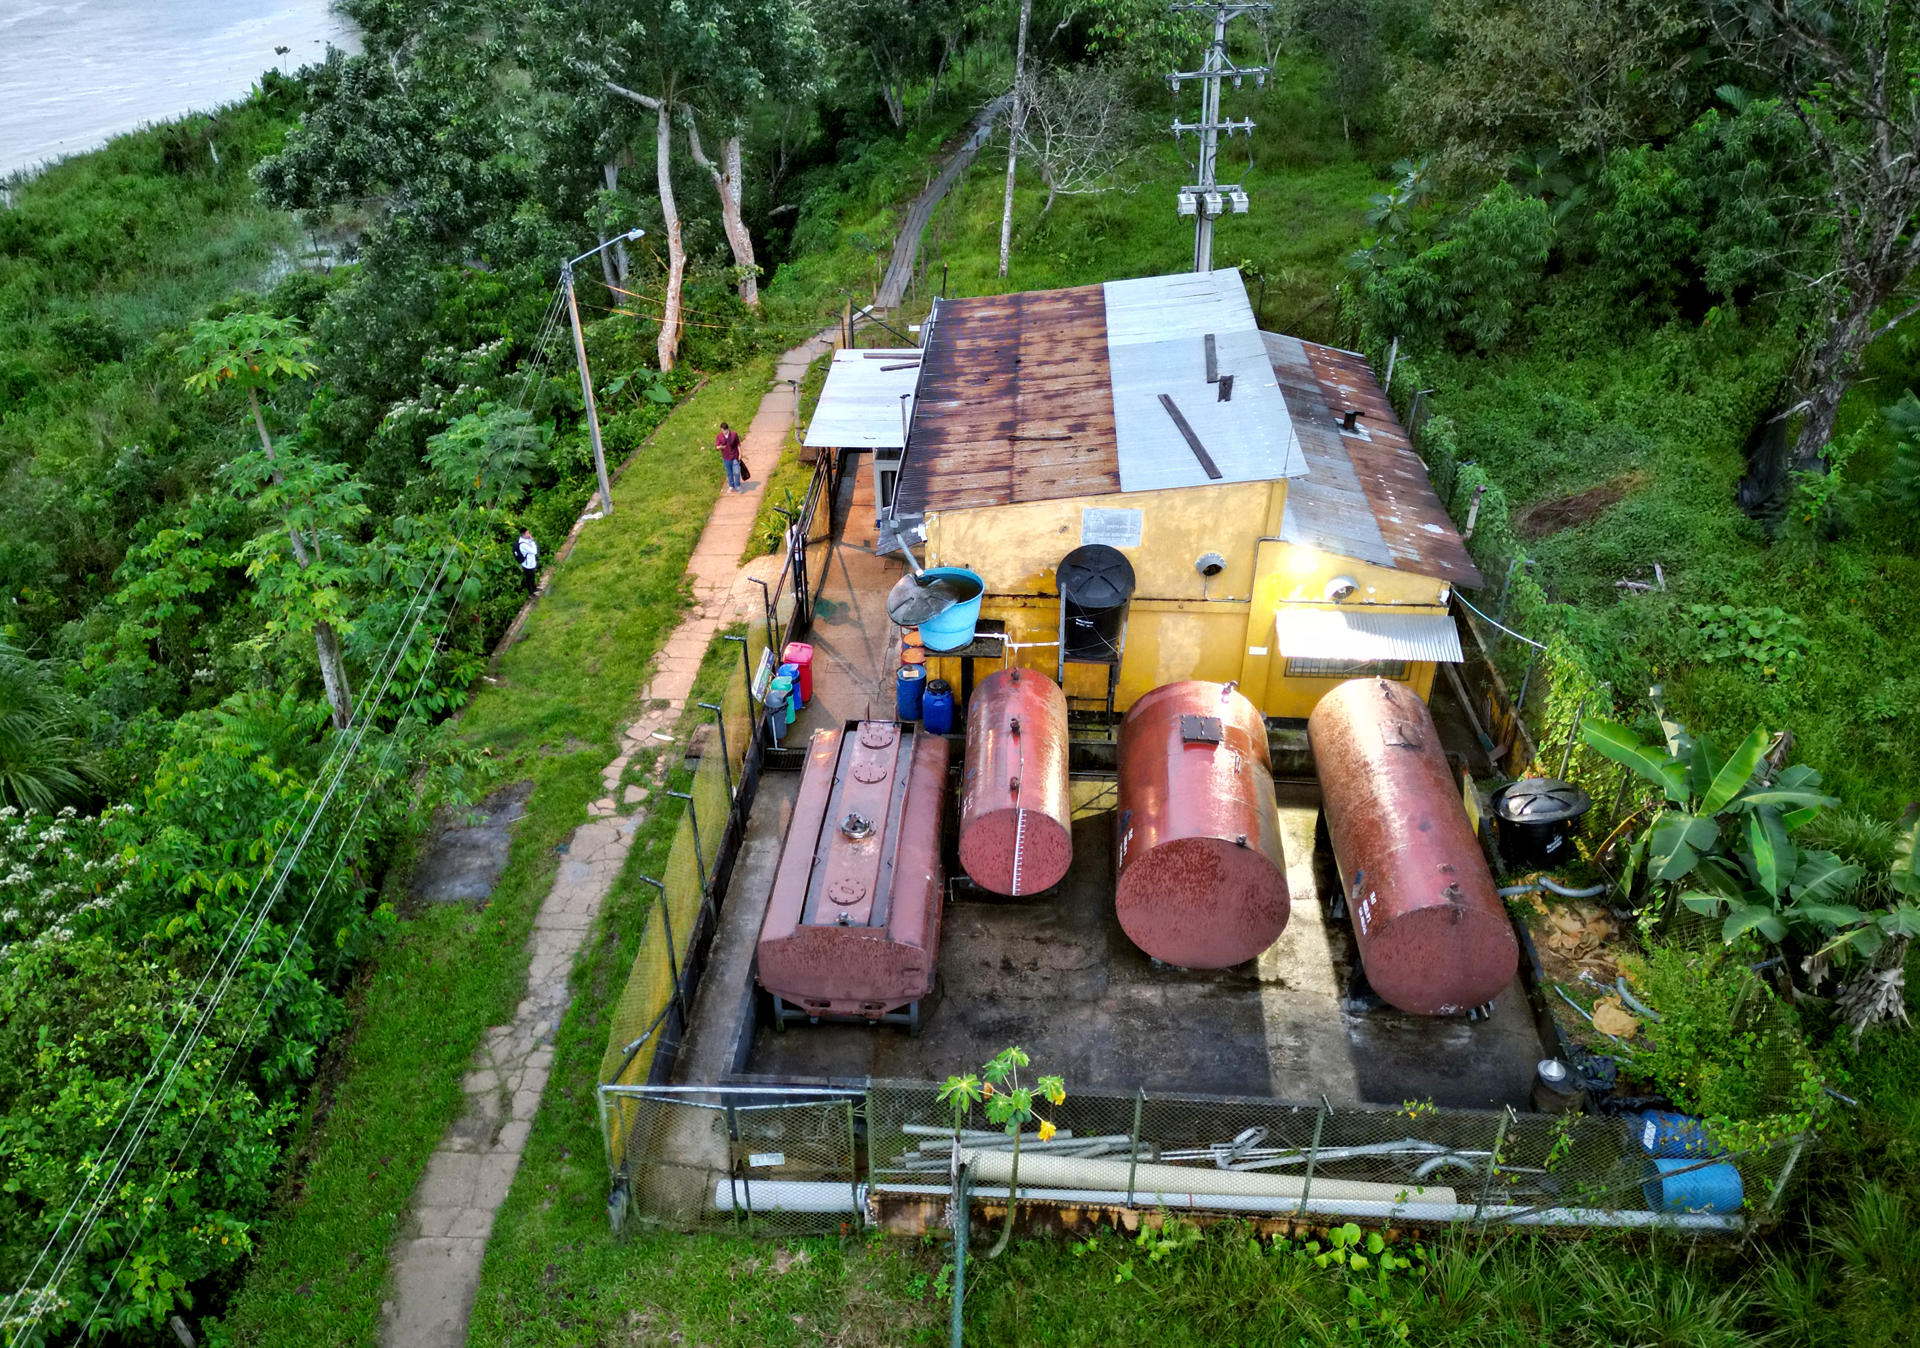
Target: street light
[{"x": 586, "y": 377}]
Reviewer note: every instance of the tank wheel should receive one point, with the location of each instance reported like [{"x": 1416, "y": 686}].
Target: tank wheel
[
  {"x": 913, "y": 1020},
  {"x": 779, "y": 1015}
]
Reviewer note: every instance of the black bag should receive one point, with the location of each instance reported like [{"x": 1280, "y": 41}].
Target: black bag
[{"x": 746, "y": 474}]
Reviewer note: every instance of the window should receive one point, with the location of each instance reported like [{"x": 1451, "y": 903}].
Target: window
[{"x": 1346, "y": 669}]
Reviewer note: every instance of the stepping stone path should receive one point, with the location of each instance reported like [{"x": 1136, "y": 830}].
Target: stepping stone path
[{"x": 436, "y": 1265}]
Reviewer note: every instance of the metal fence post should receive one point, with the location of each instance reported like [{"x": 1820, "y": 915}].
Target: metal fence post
[
  {"x": 766, "y": 613},
  {"x": 726, "y": 759},
  {"x": 1573, "y": 735},
  {"x": 739, "y": 1187},
  {"x": 1493, "y": 1165},
  {"x": 962, "y": 1234},
  {"x": 1313, "y": 1155},
  {"x": 673, "y": 959},
  {"x": 1520, "y": 704},
  {"x": 1786, "y": 1173},
  {"x": 693, "y": 818},
  {"x": 746, "y": 664},
  {"x": 853, "y": 1163},
  {"x": 1133, "y": 1153}
]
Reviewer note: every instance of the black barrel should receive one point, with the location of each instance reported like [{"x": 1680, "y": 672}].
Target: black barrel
[
  {"x": 1537, "y": 818},
  {"x": 1095, "y": 583}
]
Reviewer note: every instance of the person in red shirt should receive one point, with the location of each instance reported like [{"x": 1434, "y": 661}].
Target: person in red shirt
[{"x": 728, "y": 443}]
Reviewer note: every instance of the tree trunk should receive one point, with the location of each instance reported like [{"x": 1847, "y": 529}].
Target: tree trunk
[
  {"x": 670, "y": 316},
  {"x": 611, "y": 172},
  {"x": 333, "y": 666},
  {"x": 1014, "y": 128},
  {"x": 890, "y": 92},
  {"x": 333, "y": 674},
  {"x": 1833, "y": 367},
  {"x": 726, "y": 185}
]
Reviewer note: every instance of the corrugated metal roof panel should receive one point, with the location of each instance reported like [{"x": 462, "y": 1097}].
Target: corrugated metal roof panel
[
  {"x": 859, "y": 407},
  {"x": 1014, "y": 404},
  {"x": 1407, "y": 517},
  {"x": 1157, "y": 329},
  {"x": 1325, "y": 632},
  {"x": 1326, "y": 509}
]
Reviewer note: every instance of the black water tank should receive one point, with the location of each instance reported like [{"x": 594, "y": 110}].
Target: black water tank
[
  {"x": 1095, "y": 583},
  {"x": 1537, "y": 818}
]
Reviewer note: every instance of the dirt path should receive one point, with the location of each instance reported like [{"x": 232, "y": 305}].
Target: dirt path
[
  {"x": 436, "y": 1266},
  {"x": 906, "y": 246}
]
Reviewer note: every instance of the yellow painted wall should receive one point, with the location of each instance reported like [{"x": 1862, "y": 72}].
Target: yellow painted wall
[{"x": 1178, "y": 627}]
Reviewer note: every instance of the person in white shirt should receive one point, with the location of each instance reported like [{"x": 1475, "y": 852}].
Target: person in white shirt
[{"x": 528, "y": 552}]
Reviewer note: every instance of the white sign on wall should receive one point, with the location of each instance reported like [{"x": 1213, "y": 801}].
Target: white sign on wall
[{"x": 1115, "y": 528}]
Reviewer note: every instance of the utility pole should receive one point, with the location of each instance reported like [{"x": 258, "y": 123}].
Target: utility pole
[
  {"x": 1207, "y": 200},
  {"x": 586, "y": 376}
]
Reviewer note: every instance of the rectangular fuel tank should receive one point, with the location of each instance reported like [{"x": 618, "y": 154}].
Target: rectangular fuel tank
[{"x": 852, "y": 928}]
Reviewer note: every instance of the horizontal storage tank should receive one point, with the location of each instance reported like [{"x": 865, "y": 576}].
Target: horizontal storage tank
[
  {"x": 1016, "y": 818},
  {"x": 1201, "y": 880},
  {"x": 1433, "y": 935},
  {"x": 853, "y": 924}
]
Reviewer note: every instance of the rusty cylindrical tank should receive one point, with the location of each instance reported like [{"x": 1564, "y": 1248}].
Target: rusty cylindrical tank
[
  {"x": 1433, "y": 935},
  {"x": 1201, "y": 881},
  {"x": 853, "y": 923},
  {"x": 1016, "y": 819}
]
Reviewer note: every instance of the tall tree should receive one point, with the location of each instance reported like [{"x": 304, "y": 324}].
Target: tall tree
[
  {"x": 1850, "y": 70},
  {"x": 1499, "y": 76},
  {"x": 776, "y": 56},
  {"x": 1015, "y": 128},
  {"x": 256, "y": 353},
  {"x": 658, "y": 55}
]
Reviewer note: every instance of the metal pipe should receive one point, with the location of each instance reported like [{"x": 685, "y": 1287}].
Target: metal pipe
[
  {"x": 673, "y": 960},
  {"x": 693, "y": 818},
  {"x": 746, "y": 664}
]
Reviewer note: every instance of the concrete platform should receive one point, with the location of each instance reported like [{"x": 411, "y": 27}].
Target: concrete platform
[{"x": 1059, "y": 977}]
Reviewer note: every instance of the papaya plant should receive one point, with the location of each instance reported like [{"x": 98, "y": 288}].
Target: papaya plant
[{"x": 1010, "y": 1105}]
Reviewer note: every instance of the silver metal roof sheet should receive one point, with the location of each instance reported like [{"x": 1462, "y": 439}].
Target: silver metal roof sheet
[
  {"x": 860, "y": 406},
  {"x": 1327, "y": 509},
  {"x": 1327, "y": 632},
  {"x": 1156, "y": 345}
]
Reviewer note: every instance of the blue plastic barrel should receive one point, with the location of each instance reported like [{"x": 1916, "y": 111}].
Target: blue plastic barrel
[
  {"x": 1677, "y": 1184},
  {"x": 791, "y": 673},
  {"x": 936, "y": 708},
  {"x": 783, "y": 686},
  {"x": 908, "y": 685},
  {"x": 1665, "y": 1133},
  {"x": 952, "y": 629}
]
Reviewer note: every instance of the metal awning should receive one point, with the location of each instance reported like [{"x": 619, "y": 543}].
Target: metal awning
[
  {"x": 860, "y": 407},
  {"x": 1326, "y": 632}
]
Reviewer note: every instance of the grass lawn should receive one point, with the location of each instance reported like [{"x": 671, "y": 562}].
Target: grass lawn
[{"x": 554, "y": 716}]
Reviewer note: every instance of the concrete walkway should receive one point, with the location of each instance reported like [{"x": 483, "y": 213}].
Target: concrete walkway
[{"x": 436, "y": 1265}]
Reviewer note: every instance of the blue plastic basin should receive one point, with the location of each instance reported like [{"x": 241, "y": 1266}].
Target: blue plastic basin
[{"x": 951, "y": 630}]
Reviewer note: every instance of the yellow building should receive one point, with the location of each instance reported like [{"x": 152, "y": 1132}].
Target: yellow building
[{"x": 1280, "y": 529}]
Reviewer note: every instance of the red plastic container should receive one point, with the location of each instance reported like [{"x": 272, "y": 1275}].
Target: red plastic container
[{"x": 801, "y": 654}]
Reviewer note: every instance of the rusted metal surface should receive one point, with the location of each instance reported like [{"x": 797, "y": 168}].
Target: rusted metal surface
[
  {"x": 1202, "y": 881},
  {"x": 1433, "y": 935},
  {"x": 1013, "y": 405},
  {"x": 1016, "y": 818},
  {"x": 853, "y": 922},
  {"x": 1366, "y": 494}
]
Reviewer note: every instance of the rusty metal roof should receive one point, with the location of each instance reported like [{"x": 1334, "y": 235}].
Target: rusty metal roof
[
  {"x": 1366, "y": 494},
  {"x": 1014, "y": 404}
]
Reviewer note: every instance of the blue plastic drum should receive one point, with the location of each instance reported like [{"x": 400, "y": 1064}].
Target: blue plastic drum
[
  {"x": 1675, "y": 1184},
  {"x": 791, "y": 673},
  {"x": 908, "y": 685},
  {"x": 1665, "y": 1133},
  {"x": 936, "y": 708}
]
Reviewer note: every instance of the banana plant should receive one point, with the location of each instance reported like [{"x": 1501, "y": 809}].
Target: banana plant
[{"x": 1722, "y": 841}]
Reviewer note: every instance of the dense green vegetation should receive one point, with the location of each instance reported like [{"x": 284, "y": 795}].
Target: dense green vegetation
[{"x": 1597, "y": 234}]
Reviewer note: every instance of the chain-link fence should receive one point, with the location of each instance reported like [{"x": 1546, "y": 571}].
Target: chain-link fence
[{"x": 792, "y": 1161}]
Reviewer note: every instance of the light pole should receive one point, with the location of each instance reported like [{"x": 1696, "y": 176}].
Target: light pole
[{"x": 586, "y": 377}]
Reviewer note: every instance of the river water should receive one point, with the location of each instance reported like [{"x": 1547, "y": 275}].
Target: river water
[{"x": 75, "y": 72}]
